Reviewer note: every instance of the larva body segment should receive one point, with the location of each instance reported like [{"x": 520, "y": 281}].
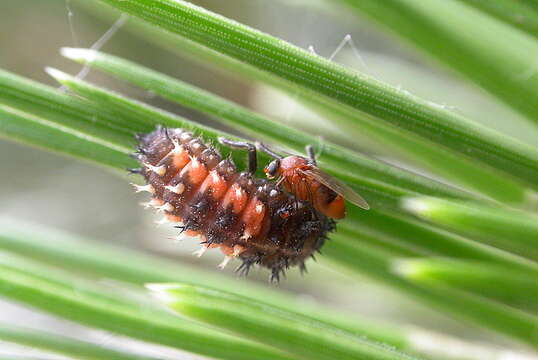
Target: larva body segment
[{"x": 247, "y": 218}]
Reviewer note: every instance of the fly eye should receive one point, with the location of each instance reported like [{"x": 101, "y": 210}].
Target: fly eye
[{"x": 271, "y": 169}]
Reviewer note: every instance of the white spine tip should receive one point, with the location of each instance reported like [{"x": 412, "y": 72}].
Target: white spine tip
[
  {"x": 145, "y": 205},
  {"x": 141, "y": 188},
  {"x": 225, "y": 262},
  {"x": 165, "y": 207},
  {"x": 238, "y": 192},
  {"x": 178, "y": 149},
  {"x": 177, "y": 189},
  {"x": 152, "y": 203},
  {"x": 200, "y": 252},
  {"x": 159, "y": 170},
  {"x": 163, "y": 221},
  {"x": 214, "y": 176}
]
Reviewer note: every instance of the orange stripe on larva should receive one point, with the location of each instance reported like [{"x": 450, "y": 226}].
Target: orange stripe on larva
[
  {"x": 214, "y": 185},
  {"x": 197, "y": 172},
  {"x": 180, "y": 159},
  {"x": 252, "y": 217},
  {"x": 235, "y": 198}
]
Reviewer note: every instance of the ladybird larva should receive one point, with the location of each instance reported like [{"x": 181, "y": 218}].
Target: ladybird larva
[{"x": 247, "y": 218}]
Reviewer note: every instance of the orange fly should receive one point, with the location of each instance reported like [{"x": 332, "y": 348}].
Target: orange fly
[{"x": 301, "y": 177}]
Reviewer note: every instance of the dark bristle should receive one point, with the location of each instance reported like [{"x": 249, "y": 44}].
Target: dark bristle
[
  {"x": 135, "y": 171},
  {"x": 182, "y": 228},
  {"x": 302, "y": 268},
  {"x": 244, "y": 268},
  {"x": 140, "y": 150},
  {"x": 212, "y": 238},
  {"x": 275, "y": 275}
]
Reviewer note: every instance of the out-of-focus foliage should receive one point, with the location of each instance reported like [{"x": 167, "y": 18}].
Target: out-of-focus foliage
[{"x": 462, "y": 244}]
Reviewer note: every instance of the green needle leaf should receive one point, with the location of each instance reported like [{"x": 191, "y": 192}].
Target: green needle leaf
[
  {"x": 128, "y": 108},
  {"x": 503, "y": 284},
  {"x": 104, "y": 260},
  {"x": 255, "y": 125},
  {"x": 33, "y": 130},
  {"x": 100, "y": 259},
  {"x": 325, "y": 82},
  {"x": 429, "y": 240},
  {"x": 382, "y": 185},
  {"x": 48, "y": 103},
  {"x": 74, "y": 299},
  {"x": 299, "y": 335},
  {"x": 466, "y": 254},
  {"x": 62, "y": 345},
  {"x": 416, "y": 235},
  {"x": 444, "y": 245},
  {"x": 513, "y": 230},
  {"x": 363, "y": 260},
  {"x": 522, "y": 14},
  {"x": 469, "y": 41}
]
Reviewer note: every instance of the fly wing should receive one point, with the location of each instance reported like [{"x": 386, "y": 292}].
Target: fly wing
[{"x": 336, "y": 186}]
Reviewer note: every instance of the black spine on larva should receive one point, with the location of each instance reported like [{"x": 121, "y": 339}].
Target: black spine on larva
[{"x": 179, "y": 168}]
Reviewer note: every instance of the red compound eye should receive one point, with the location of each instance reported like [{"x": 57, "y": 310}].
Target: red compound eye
[{"x": 247, "y": 218}]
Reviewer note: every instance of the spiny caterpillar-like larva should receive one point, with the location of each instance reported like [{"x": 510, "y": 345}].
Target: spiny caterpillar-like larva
[{"x": 248, "y": 218}]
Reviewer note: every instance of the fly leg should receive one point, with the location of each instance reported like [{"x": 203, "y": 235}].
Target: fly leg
[
  {"x": 311, "y": 155},
  {"x": 264, "y": 149},
  {"x": 252, "y": 162}
]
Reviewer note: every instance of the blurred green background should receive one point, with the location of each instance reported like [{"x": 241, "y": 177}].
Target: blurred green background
[{"x": 61, "y": 192}]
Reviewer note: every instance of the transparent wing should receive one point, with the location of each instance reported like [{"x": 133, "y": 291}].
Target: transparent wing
[{"x": 337, "y": 186}]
